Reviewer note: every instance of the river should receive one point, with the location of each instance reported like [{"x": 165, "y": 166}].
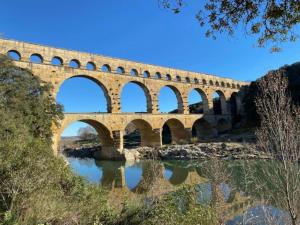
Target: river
[{"x": 240, "y": 191}]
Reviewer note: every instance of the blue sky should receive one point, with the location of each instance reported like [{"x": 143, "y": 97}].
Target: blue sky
[{"x": 135, "y": 30}]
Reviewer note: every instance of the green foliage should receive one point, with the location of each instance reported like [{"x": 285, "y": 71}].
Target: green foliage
[
  {"x": 25, "y": 97},
  {"x": 271, "y": 21},
  {"x": 35, "y": 186},
  {"x": 179, "y": 207}
]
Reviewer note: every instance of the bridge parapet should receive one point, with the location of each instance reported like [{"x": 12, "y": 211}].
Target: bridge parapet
[{"x": 46, "y": 53}]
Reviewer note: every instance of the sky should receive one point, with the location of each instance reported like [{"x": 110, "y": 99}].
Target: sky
[{"x": 140, "y": 31}]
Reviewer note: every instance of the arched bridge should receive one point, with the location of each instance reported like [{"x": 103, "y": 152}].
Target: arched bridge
[{"x": 56, "y": 65}]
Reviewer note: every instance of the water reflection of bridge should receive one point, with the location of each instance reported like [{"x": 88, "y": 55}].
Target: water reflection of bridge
[{"x": 154, "y": 183}]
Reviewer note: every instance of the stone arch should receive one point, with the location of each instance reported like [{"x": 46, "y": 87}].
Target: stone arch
[
  {"x": 187, "y": 80},
  {"x": 217, "y": 83},
  {"x": 157, "y": 75},
  {"x": 14, "y": 55},
  {"x": 233, "y": 85},
  {"x": 146, "y": 92},
  {"x": 168, "y": 77},
  {"x": 178, "y": 78},
  {"x": 91, "y": 66},
  {"x": 134, "y": 72},
  {"x": 202, "y": 129},
  {"x": 74, "y": 63},
  {"x": 146, "y": 74},
  {"x": 204, "y": 81},
  {"x": 120, "y": 70},
  {"x": 108, "y": 149},
  {"x": 204, "y": 108},
  {"x": 102, "y": 86},
  {"x": 148, "y": 137},
  {"x": 196, "y": 81},
  {"x": 36, "y": 58},
  {"x": 219, "y": 103},
  {"x": 177, "y": 130},
  {"x": 228, "y": 85},
  {"x": 178, "y": 97},
  {"x": 106, "y": 68},
  {"x": 211, "y": 83},
  {"x": 223, "y": 126},
  {"x": 222, "y": 84},
  {"x": 57, "y": 61}
]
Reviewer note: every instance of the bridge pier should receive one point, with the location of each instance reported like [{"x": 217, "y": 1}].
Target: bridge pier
[{"x": 114, "y": 152}]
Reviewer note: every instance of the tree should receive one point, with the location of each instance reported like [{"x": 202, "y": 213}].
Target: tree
[
  {"x": 279, "y": 135},
  {"x": 35, "y": 186},
  {"x": 87, "y": 133},
  {"x": 270, "y": 20},
  {"x": 24, "y": 96}
]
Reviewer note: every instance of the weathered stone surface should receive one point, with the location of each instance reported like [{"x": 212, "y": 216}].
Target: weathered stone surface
[{"x": 111, "y": 126}]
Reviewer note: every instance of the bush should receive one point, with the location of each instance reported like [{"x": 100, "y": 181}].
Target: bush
[{"x": 179, "y": 207}]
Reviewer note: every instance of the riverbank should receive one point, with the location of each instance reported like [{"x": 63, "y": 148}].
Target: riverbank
[{"x": 221, "y": 150}]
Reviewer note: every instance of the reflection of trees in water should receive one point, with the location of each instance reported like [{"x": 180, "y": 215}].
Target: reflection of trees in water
[{"x": 236, "y": 190}]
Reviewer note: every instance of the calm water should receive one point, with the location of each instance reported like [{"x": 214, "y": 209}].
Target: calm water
[{"x": 238, "y": 190}]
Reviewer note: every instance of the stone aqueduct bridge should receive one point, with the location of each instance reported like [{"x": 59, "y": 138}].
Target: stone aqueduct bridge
[{"x": 111, "y": 74}]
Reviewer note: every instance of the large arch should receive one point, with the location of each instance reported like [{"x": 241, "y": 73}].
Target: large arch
[
  {"x": 200, "y": 106},
  {"x": 219, "y": 103},
  {"x": 202, "y": 129},
  {"x": 148, "y": 137},
  {"x": 178, "y": 96},
  {"x": 108, "y": 149},
  {"x": 177, "y": 130},
  {"x": 146, "y": 92},
  {"x": 14, "y": 55},
  {"x": 102, "y": 86}
]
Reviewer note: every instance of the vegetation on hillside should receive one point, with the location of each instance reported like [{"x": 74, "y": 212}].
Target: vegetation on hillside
[{"x": 250, "y": 93}]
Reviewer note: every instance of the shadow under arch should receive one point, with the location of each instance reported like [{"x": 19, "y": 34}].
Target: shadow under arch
[
  {"x": 176, "y": 129},
  {"x": 203, "y": 95},
  {"x": 178, "y": 98},
  {"x": 219, "y": 103},
  {"x": 146, "y": 92},
  {"x": 102, "y": 86},
  {"x": 148, "y": 136},
  {"x": 202, "y": 129},
  {"x": 223, "y": 126}
]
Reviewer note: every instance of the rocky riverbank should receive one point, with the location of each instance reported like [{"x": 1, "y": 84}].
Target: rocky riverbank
[
  {"x": 219, "y": 150},
  {"x": 83, "y": 152}
]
